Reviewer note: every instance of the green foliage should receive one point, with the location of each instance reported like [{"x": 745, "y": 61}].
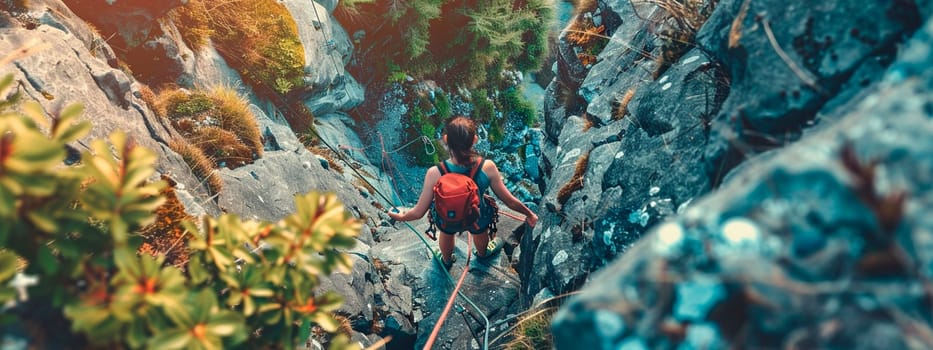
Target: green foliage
[
  {"x": 76, "y": 226},
  {"x": 533, "y": 332},
  {"x": 516, "y": 104},
  {"x": 483, "y": 109},
  {"x": 192, "y": 22},
  {"x": 422, "y": 125},
  {"x": 183, "y": 105},
  {"x": 442, "y": 104},
  {"x": 257, "y": 38},
  {"x": 396, "y": 75},
  {"x": 465, "y": 42}
]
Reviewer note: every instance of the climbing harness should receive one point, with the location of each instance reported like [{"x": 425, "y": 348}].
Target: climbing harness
[{"x": 431, "y": 231}]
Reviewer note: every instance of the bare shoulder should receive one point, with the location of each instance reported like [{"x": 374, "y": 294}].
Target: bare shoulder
[
  {"x": 433, "y": 171},
  {"x": 489, "y": 167}
]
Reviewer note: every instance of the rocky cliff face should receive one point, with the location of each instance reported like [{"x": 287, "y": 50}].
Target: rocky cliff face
[{"x": 788, "y": 150}]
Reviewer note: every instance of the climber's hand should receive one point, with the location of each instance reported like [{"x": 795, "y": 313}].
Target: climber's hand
[{"x": 531, "y": 220}]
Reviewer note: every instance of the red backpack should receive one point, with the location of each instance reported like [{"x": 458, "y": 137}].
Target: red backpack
[{"x": 456, "y": 200}]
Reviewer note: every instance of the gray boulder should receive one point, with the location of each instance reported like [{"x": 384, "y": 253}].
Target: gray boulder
[
  {"x": 150, "y": 46},
  {"x": 70, "y": 74},
  {"x": 626, "y": 61},
  {"x": 786, "y": 62},
  {"x": 327, "y": 50},
  {"x": 265, "y": 189}
]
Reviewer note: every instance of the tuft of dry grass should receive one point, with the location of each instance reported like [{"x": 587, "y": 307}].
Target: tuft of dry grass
[
  {"x": 259, "y": 38},
  {"x": 232, "y": 112},
  {"x": 680, "y": 22},
  {"x": 218, "y": 122},
  {"x": 582, "y": 32},
  {"x": 364, "y": 186},
  {"x": 223, "y": 146},
  {"x": 328, "y": 155},
  {"x": 200, "y": 164},
  {"x": 735, "y": 31},
  {"x": 576, "y": 181},
  {"x": 344, "y": 326},
  {"x": 192, "y": 20},
  {"x": 622, "y": 104},
  {"x": 167, "y": 100},
  {"x": 587, "y": 123},
  {"x": 381, "y": 267},
  {"x": 533, "y": 332},
  {"x": 149, "y": 97}
]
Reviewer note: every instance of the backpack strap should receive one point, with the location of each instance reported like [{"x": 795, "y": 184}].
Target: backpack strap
[
  {"x": 442, "y": 166},
  {"x": 476, "y": 167}
]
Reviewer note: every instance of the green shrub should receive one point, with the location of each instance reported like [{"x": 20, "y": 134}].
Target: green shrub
[
  {"x": 76, "y": 227},
  {"x": 442, "y": 104},
  {"x": 483, "y": 109},
  {"x": 396, "y": 75},
  {"x": 257, "y": 38},
  {"x": 421, "y": 125},
  {"x": 516, "y": 105},
  {"x": 217, "y": 121},
  {"x": 181, "y": 105},
  {"x": 191, "y": 19},
  {"x": 466, "y": 42},
  {"x": 533, "y": 332}
]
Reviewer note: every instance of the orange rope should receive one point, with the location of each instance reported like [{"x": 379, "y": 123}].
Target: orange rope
[
  {"x": 513, "y": 216},
  {"x": 450, "y": 302}
]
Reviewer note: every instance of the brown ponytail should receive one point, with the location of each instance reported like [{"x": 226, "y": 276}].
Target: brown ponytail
[{"x": 460, "y": 132}]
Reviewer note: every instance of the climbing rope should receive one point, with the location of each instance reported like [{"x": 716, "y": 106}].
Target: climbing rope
[
  {"x": 513, "y": 216},
  {"x": 450, "y": 301},
  {"x": 424, "y": 139},
  {"x": 331, "y": 46}
]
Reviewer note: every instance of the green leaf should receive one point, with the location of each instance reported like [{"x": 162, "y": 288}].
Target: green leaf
[
  {"x": 137, "y": 335},
  {"x": 5, "y": 83},
  {"x": 7, "y": 266},
  {"x": 196, "y": 270},
  {"x": 325, "y": 320},
  {"x": 47, "y": 261},
  {"x": 7, "y": 294},
  {"x": 225, "y": 324},
  {"x": 127, "y": 260},
  {"x": 173, "y": 339},
  {"x": 304, "y": 330},
  {"x": 33, "y": 110},
  {"x": 73, "y": 132},
  {"x": 342, "y": 342}
]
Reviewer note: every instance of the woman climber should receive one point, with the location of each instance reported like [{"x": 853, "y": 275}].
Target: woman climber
[{"x": 460, "y": 136}]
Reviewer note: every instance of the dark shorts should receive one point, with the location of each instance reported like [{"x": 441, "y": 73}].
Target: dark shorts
[{"x": 486, "y": 213}]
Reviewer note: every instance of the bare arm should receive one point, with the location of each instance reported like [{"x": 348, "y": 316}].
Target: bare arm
[
  {"x": 424, "y": 200},
  {"x": 498, "y": 187}
]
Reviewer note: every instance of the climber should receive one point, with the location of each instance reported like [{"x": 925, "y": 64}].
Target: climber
[{"x": 459, "y": 138}]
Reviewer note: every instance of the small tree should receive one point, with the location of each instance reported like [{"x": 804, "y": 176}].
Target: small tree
[{"x": 246, "y": 284}]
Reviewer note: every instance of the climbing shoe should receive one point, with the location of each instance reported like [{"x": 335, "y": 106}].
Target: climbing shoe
[
  {"x": 440, "y": 257},
  {"x": 491, "y": 248}
]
